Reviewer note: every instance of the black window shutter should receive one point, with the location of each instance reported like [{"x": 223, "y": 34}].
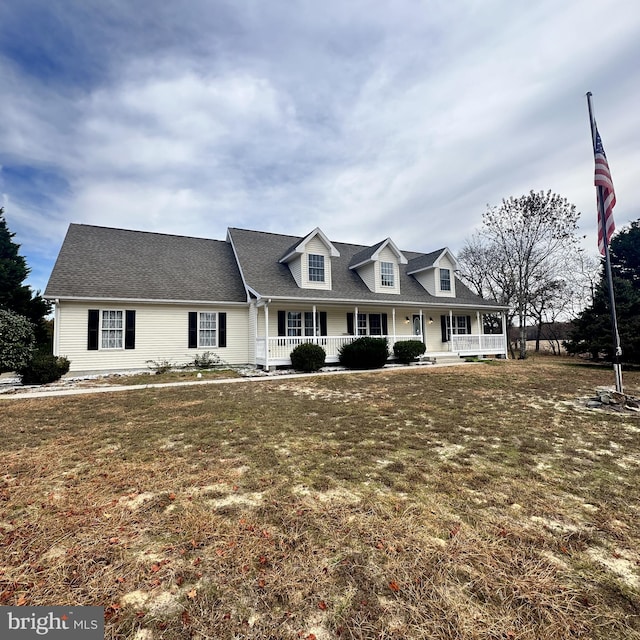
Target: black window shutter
[
  {"x": 385, "y": 326},
  {"x": 282, "y": 323},
  {"x": 443, "y": 327},
  {"x": 350, "y": 324},
  {"x": 222, "y": 329},
  {"x": 469, "y": 324},
  {"x": 130, "y": 329},
  {"x": 193, "y": 329},
  {"x": 93, "y": 329},
  {"x": 323, "y": 323}
]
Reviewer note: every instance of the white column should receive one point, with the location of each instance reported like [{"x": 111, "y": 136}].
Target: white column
[
  {"x": 505, "y": 335},
  {"x": 315, "y": 339},
  {"x": 393, "y": 320},
  {"x": 450, "y": 330},
  {"x": 266, "y": 336}
]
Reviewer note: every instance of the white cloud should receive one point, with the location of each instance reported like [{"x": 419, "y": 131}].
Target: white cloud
[{"x": 365, "y": 118}]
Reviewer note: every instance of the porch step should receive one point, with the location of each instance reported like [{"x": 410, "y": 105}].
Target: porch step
[{"x": 448, "y": 358}]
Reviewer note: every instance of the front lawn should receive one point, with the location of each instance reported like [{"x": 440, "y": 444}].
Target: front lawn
[{"x": 481, "y": 501}]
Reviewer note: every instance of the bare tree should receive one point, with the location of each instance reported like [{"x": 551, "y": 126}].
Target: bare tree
[{"x": 521, "y": 255}]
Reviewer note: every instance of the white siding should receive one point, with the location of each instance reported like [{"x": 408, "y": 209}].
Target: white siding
[
  {"x": 387, "y": 255},
  {"x": 445, "y": 263},
  {"x": 427, "y": 281},
  {"x": 295, "y": 266},
  {"x": 318, "y": 247},
  {"x": 253, "y": 332},
  {"x": 161, "y": 334},
  {"x": 368, "y": 275}
]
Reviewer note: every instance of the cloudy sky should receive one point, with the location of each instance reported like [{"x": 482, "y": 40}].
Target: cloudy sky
[{"x": 366, "y": 118}]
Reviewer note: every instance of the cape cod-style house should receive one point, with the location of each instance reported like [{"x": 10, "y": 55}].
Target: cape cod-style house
[{"x": 123, "y": 298}]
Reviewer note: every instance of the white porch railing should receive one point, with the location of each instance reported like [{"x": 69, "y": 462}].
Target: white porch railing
[
  {"x": 280, "y": 348},
  {"x": 470, "y": 344}
]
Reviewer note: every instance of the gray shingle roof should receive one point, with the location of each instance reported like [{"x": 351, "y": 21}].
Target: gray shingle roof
[
  {"x": 258, "y": 253},
  {"x": 423, "y": 261},
  {"x": 365, "y": 254},
  {"x": 99, "y": 262}
]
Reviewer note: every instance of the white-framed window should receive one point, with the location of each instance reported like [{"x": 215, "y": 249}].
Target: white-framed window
[
  {"x": 294, "y": 323},
  {"x": 308, "y": 323},
  {"x": 316, "y": 268},
  {"x": 445, "y": 279},
  {"x": 112, "y": 329},
  {"x": 208, "y": 329},
  {"x": 370, "y": 324},
  {"x": 387, "y": 274},
  {"x": 457, "y": 325},
  {"x": 362, "y": 324}
]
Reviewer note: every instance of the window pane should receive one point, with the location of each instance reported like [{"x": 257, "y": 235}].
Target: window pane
[
  {"x": 294, "y": 323},
  {"x": 308, "y": 323},
  {"x": 445, "y": 280},
  {"x": 386, "y": 271},
  {"x": 112, "y": 333},
  {"x": 362, "y": 324},
  {"x": 375, "y": 324},
  {"x": 316, "y": 268},
  {"x": 207, "y": 332}
]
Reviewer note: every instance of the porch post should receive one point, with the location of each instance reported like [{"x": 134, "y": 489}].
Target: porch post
[
  {"x": 479, "y": 330},
  {"x": 422, "y": 335},
  {"x": 355, "y": 322},
  {"x": 450, "y": 330},
  {"x": 315, "y": 335},
  {"x": 393, "y": 319},
  {"x": 505, "y": 335},
  {"x": 266, "y": 336}
]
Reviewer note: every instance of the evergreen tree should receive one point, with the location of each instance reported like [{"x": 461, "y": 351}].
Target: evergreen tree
[
  {"x": 592, "y": 328},
  {"x": 14, "y": 295}
]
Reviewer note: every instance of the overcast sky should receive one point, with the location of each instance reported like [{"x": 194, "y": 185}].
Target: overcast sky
[{"x": 366, "y": 118}]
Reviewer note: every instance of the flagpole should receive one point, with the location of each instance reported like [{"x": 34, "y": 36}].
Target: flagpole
[{"x": 617, "y": 350}]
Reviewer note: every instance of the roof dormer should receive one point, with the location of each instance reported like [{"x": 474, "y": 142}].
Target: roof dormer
[
  {"x": 435, "y": 272},
  {"x": 309, "y": 260},
  {"x": 379, "y": 266}
]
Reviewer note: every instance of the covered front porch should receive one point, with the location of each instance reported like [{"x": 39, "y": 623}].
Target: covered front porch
[{"x": 280, "y": 327}]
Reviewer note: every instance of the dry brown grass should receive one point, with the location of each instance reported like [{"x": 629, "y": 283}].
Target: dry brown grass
[{"x": 472, "y": 502}]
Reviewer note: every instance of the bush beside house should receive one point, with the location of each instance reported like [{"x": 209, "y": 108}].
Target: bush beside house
[
  {"x": 43, "y": 368},
  {"x": 364, "y": 353},
  {"x": 408, "y": 350},
  {"x": 308, "y": 357}
]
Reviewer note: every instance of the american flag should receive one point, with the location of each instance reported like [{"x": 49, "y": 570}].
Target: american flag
[{"x": 603, "y": 179}]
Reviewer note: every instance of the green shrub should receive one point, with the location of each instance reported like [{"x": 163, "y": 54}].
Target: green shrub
[
  {"x": 43, "y": 368},
  {"x": 308, "y": 357},
  {"x": 17, "y": 341},
  {"x": 206, "y": 360},
  {"x": 406, "y": 351},
  {"x": 364, "y": 353}
]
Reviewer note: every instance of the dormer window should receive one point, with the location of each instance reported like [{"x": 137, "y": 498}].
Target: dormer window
[
  {"x": 316, "y": 268},
  {"x": 445, "y": 279},
  {"x": 387, "y": 275}
]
